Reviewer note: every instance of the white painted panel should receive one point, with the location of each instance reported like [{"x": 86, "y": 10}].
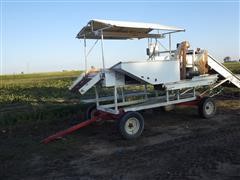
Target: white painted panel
[
  {"x": 153, "y": 72},
  {"x": 113, "y": 78},
  {"x": 196, "y": 81},
  {"x": 94, "y": 80},
  {"x": 138, "y": 25}
]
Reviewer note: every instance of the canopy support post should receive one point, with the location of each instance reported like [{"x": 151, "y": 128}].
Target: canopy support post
[
  {"x": 103, "y": 61},
  {"x": 85, "y": 53},
  {"x": 170, "y": 44}
]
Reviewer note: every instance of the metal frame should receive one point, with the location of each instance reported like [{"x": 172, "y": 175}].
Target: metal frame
[
  {"x": 146, "y": 102},
  {"x": 143, "y": 100},
  {"x": 102, "y": 47},
  {"x": 185, "y": 90},
  {"x": 152, "y": 102}
]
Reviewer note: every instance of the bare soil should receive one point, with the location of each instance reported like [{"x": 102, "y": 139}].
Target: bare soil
[{"x": 174, "y": 145}]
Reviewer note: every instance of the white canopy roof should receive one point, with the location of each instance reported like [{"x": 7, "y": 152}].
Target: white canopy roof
[{"x": 122, "y": 29}]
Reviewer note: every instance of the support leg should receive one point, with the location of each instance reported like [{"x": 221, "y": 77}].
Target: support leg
[{"x": 115, "y": 98}]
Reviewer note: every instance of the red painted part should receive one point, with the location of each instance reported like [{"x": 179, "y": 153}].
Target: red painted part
[
  {"x": 68, "y": 131},
  {"x": 190, "y": 103},
  {"x": 101, "y": 116}
]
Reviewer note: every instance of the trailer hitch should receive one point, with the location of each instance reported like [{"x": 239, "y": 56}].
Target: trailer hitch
[{"x": 101, "y": 116}]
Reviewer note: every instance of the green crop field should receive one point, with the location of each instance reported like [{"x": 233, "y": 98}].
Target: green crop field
[
  {"x": 45, "y": 96},
  {"x": 233, "y": 66},
  {"x": 36, "y": 88},
  {"x": 37, "y": 97}
]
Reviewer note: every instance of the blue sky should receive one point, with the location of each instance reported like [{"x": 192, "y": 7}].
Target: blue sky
[{"x": 40, "y": 36}]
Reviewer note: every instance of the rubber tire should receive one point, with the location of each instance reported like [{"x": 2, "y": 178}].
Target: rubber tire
[
  {"x": 201, "y": 108},
  {"x": 88, "y": 111},
  {"x": 123, "y": 120}
]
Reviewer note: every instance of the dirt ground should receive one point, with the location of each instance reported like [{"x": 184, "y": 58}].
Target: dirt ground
[{"x": 174, "y": 145}]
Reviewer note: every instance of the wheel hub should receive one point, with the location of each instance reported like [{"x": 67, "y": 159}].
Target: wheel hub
[
  {"x": 209, "y": 107},
  {"x": 132, "y": 125}
]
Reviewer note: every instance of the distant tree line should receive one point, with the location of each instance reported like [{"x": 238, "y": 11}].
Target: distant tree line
[{"x": 228, "y": 59}]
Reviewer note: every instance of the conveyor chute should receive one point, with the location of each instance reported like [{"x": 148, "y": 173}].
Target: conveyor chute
[{"x": 223, "y": 71}]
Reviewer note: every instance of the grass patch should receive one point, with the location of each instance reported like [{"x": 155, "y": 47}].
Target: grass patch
[
  {"x": 37, "y": 97},
  {"x": 233, "y": 66},
  {"x": 228, "y": 104},
  {"x": 40, "y": 75}
]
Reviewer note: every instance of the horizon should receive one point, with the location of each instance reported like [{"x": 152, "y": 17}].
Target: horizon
[{"x": 40, "y": 36}]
